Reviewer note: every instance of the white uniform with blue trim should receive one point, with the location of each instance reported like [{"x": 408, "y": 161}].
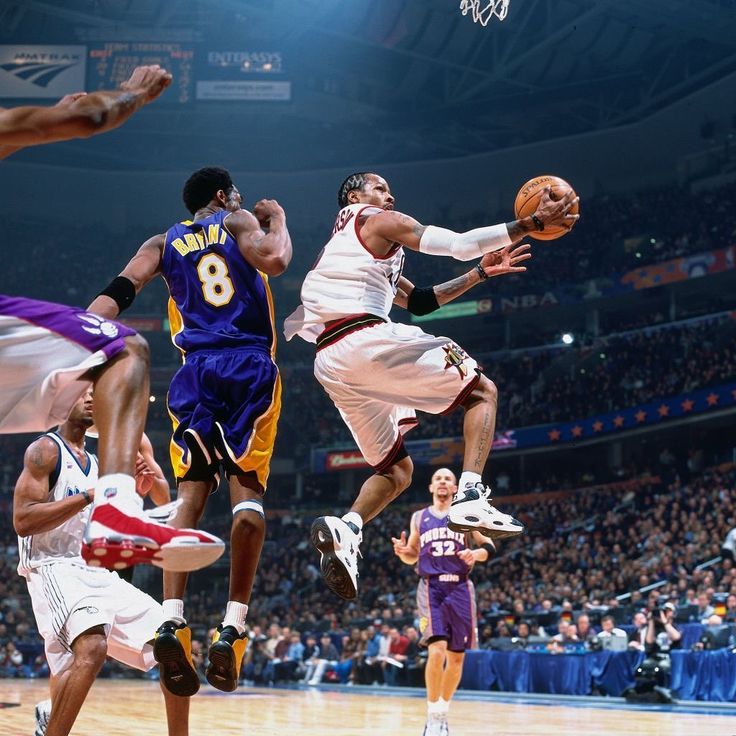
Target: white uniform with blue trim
[{"x": 68, "y": 597}]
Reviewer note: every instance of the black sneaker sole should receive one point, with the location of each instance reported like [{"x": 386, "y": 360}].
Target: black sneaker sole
[
  {"x": 177, "y": 674},
  {"x": 222, "y": 671},
  {"x": 490, "y": 533},
  {"x": 336, "y": 577}
]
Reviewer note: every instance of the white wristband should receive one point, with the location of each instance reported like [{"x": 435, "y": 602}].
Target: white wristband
[{"x": 438, "y": 241}]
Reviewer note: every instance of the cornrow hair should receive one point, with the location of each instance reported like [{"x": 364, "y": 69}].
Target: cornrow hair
[{"x": 354, "y": 181}]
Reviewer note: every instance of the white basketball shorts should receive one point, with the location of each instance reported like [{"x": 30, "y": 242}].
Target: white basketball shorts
[
  {"x": 68, "y": 599},
  {"x": 378, "y": 375}
]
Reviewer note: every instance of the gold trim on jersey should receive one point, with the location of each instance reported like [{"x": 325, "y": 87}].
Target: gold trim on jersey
[
  {"x": 257, "y": 455},
  {"x": 271, "y": 313}
]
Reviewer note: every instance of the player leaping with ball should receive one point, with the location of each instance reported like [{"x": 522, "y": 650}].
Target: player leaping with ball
[{"x": 378, "y": 372}]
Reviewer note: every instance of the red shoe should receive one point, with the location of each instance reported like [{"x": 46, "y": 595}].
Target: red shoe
[{"x": 122, "y": 535}]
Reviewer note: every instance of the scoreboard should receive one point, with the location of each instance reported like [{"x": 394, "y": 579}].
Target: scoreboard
[{"x": 109, "y": 64}]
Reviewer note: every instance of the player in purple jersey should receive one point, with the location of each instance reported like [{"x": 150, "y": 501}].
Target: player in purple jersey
[
  {"x": 225, "y": 399},
  {"x": 445, "y": 595},
  {"x": 49, "y": 354}
]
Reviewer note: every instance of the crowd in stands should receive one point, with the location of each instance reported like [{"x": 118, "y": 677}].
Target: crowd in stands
[{"x": 584, "y": 550}]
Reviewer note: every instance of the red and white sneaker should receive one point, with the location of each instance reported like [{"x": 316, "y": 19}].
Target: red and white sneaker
[{"x": 121, "y": 535}]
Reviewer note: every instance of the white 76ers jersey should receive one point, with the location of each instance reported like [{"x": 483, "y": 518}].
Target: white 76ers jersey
[
  {"x": 65, "y": 541},
  {"x": 347, "y": 278}
]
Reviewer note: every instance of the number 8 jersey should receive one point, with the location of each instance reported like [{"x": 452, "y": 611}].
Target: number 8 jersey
[{"x": 217, "y": 299}]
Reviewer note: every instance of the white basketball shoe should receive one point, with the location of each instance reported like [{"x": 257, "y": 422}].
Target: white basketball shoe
[
  {"x": 339, "y": 547},
  {"x": 43, "y": 713},
  {"x": 471, "y": 511},
  {"x": 436, "y": 725}
]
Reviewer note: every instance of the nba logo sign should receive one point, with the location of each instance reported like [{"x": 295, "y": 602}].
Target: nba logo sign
[{"x": 110, "y": 492}]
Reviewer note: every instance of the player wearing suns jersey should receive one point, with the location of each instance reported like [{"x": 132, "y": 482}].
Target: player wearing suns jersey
[
  {"x": 377, "y": 372},
  {"x": 83, "y": 613},
  {"x": 225, "y": 400},
  {"x": 445, "y": 594}
]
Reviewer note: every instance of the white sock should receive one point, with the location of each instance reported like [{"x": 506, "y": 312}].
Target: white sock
[
  {"x": 353, "y": 517},
  {"x": 116, "y": 487},
  {"x": 468, "y": 477},
  {"x": 235, "y": 614},
  {"x": 174, "y": 610},
  {"x": 434, "y": 707},
  {"x": 443, "y": 706}
]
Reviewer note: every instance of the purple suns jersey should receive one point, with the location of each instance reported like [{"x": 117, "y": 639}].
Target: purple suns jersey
[
  {"x": 217, "y": 299},
  {"x": 438, "y": 546}
]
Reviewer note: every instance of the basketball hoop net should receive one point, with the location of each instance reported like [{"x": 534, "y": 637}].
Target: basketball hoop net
[{"x": 483, "y": 10}]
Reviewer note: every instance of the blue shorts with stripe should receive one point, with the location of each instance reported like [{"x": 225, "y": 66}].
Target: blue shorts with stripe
[{"x": 224, "y": 406}]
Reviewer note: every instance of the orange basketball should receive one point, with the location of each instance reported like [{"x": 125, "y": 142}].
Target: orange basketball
[{"x": 527, "y": 201}]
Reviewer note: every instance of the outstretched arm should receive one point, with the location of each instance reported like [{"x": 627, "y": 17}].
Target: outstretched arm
[
  {"x": 141, "y": 268},
  {"x": 33, "y": 513},
  {"x": 492, "y": 264},
  {"x": 270, "y": 251},
  {"x": 380, "y": 231},
  {"x": 80, "y": 115}
]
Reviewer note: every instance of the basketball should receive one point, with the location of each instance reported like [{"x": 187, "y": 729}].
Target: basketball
[{"x": 527, "y": 201}]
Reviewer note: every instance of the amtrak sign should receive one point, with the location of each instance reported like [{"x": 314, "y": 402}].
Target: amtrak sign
[{"x": 50, "y": 72}]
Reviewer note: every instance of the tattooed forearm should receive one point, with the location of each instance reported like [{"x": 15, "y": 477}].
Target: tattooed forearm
[
  {"x": 450, "y": 290},
  {"x": 519, "y": 228}
]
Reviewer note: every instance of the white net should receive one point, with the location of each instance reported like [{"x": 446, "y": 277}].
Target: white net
[{"x": 483, "y": 10}]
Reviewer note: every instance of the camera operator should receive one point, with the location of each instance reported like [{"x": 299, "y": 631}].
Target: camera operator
[{"x": 662, "y": 634}]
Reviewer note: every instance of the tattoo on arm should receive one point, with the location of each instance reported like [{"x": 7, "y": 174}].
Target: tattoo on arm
[
  {"x": 419, "y": 230},
  {"x": 447, "y": 291},
  {"x": 36, "y": 456},
  {"x": 519, "y": 228}
]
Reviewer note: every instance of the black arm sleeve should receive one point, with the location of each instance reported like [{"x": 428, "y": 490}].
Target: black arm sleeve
[{"x": 422, "y": 300}]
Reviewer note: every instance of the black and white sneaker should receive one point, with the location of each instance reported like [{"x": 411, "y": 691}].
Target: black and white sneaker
[
  {"x": 43, "y": 713},
  {"x": 339, "y": 547},
  {"x": 471, "y": 511}
]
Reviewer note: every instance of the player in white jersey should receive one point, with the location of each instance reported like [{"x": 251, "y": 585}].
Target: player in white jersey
[
  {"x": 83, "y": 613},
  {"x": 378, "y": 372}
]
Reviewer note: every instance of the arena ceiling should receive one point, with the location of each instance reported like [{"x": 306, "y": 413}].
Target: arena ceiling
[{"x": 376, "y": 81}]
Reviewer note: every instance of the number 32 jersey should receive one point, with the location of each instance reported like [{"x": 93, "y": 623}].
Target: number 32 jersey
[
  {"x": 438, "y": 545},
  {"x": 217, "y": 299}
]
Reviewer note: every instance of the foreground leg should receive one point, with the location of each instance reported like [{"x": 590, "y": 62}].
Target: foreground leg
[{"x": 338, "y": 540}]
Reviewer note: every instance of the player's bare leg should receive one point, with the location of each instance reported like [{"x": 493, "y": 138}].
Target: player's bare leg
[
  {"x": 471, "y": 509},
  {"x": 338, "y": 540},
  {"x": 172, "y": 646},
  {"x": 70, "y": 688},
  {"x": 177, "y": 713},
  {"x": 246, "y": 542},
  {"x": 442, "y": 676},
  {"x": 118, "y": 534}
]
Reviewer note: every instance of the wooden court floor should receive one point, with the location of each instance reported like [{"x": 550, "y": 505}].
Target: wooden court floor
[{"x": 135, "y": 708}]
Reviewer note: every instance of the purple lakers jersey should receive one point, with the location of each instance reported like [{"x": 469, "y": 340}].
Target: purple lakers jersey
[
  {"x": 438, "y": 545},
  {"x": 217, "y": 299}
]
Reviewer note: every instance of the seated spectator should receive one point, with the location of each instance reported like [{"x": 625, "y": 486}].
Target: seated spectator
[
  {"x": 413, "y": 672},
  {"x": 728, "y": 548},
  {"x": 292, "y": 663},
  {"x": 368, "y": 669},
  {"x": 638, "y": 635},
  {"x": 730, "y": 616},
  {"x": 325, "y": 656},
  {"x": 585, "y": 632},
  {"x": 705, "y": 609},
  {"x": 353, "y": 647},
  {"x": 611, "y": 637},
  {"x": 396, "y": 659},
  {"x": 566, "y": 633}
]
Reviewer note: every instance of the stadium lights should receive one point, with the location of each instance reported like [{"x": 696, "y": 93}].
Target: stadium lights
[
  {"x": 568, "y": 338},
  {"x": 152, "y": 398}
]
